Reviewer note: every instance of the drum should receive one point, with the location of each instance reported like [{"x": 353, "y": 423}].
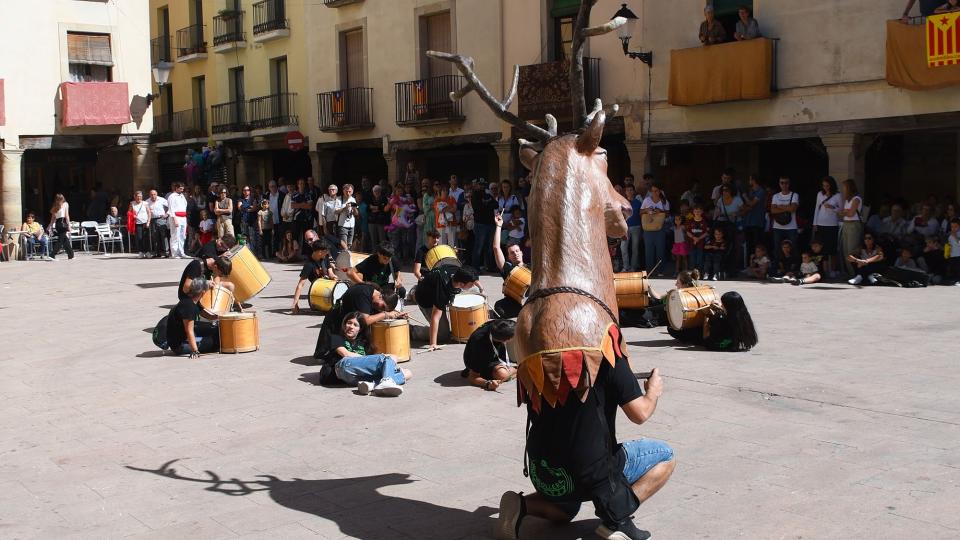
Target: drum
[
  {"x": 324, "y": 293},
  {"x": 467, "y": 313},
  {"x": 239, "y": 332},
  {"x": 517, "y": 283},
  {"x": 632, "y": 290},
  {"x": 442, "y": 255},
  {"x": 347, "y": 259},
  {"x": 392, "y": 336},
  {"x": 683, "y": 306},
  {"x": 217, "y": 301},
  {"x": 248, "y": 276}
]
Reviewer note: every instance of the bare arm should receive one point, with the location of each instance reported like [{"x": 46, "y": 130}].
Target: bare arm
[
  {"x": 344, "y": 353},
  {"x": 353, "y": 275},
  {"x": 191, "y": 337},
  {"x": 497, "y": 252},
  {"x": 641, "y": 409},
  {"x": 416, "y": 271},
  {"x": 296, "y": 295}
]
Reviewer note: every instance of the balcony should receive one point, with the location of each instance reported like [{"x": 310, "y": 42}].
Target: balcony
[
  {"x": 180, "y": 126},
  {"x": 190, "y": 44},
  {"x": 160, "y": 50},
  {"x": 345, "y": 110},
  {"x": 339, "y": 3},
  {"x": 739, "y": 70},
  {"x": 908, "y": 63},
  {"x": 230, "y": 117},
  {"x": 545, "y": 89},
  {"x": 275, "y": 110},
  {"x": 94, "y": 104},
  {"x": 228, "y": 32},
  {"x": 270, "y": 20},
  {"x": 427, "y": 102}
]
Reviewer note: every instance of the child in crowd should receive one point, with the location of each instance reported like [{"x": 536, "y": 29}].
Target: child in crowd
[
  {"x": 289, "y": 249},
  {"x": 714, "y": 250},
  {"x": 759, "y": 263},
  {"x": 905, "y": 260},
  {"x": 485, "y": 355},
  {"x": 809, "y": 271},
  {"x": 788, "y": 264},
  {"x": 951, "y": 252},
  {"x": 680, "y": 249},
  {"x": 374, "y": 373},
  {"x": 517, "y": 227},
  {"x": 265, "y": 227},
  {"x": 933, "y": 259},
  {"x": 206, "y": 227},
  {"x": 697, "y": 231}
]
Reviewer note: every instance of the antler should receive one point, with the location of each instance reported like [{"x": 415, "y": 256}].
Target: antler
[
  {"x": 464, "y": 64},
  {"x": 217, "y": 484},
  {"x": 580, "y": 34}
]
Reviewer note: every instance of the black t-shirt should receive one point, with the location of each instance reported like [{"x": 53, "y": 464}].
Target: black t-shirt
[
  {"x": 209, "y": 251},
  {"x": 436, "y": 288},
  {"x": 482, "y": 354},
  {"x": 303, "y": 214},
  {"x": 577, "y": 438},
  {"x": 507, "y": 268},
  {"x": 375, "y": 272},
  {"x": 378, "y": 217},
  {"x": 358, "y": 297},
  {"x": 421, "y": 256},
  {"x": 185, "y": 310},
  {"x": 315, "y": 269},
  {"x": 484, "y": 206},
  {"x": 357, "y": 346},
  {"x": 194, "y": 269}
]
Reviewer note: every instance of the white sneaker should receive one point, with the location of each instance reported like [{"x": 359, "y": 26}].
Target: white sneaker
[
  {"x": 388, "y": 388},
  {"x": 856, "y": 280},
  {"x": 364, "y": 388},
  {"x": 714, "y": 278}
]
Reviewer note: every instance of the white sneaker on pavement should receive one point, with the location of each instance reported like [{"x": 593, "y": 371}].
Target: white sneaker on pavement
[
  {"x": 387, "y": 388},
  {"x": 364, "y": 388},
  {"x": 855, "y": 280}
]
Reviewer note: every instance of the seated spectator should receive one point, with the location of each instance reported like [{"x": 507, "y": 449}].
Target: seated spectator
[
  {"x": 927, "y": 8},
  {"x": 924, "y": 224},
  {"x": 485, "y": 355},
  {"x": 207, "y": 226},
  {"x": 809, "y": 272},
  {"x": 932, "y": 259},
  {"x": 788, "y": 263},
  {"x": 319, "y": 265},
  {"x": 186, "y": 334},
  {"x": 950, "y": 5},
  {"x": 759, "y": 263},
  {"x": 35, "y": 236},
  {"x": 372, "y": 373},
  {"x": 113, "y": 219},
  {"x": 711, "y": 31},
  {"x": 953, "y": 253},
  {"x": 875, "y": 222},
  {"x": 747, "y": 26},
  {"x": 713, "y": 253},
  {"x": 289, "y": 249},
  {"x": 870, "y": 261},
  {"x": 949, "y": 213},
  {"x": 905, "y": 260},
  {"x": 894, "y": 225}
]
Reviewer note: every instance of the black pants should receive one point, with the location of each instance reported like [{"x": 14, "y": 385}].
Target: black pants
[
  {"x": 507, "y": 308},
  {"x": 63, "y": 237},
  {"x": 300, "y": 227},
  {"x": 142, "y": 238},
  {"x": 158, "y": 233},
  {"x": 753, "y": 236},
  {"x": 266, "y": 243}
]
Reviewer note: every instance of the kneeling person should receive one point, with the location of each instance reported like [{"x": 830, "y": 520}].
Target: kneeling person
[
  {"x": 436, "y": 291},
  {"x": 211, "y": 269},
  {"x": 376, "y": 373},
  {"x": 186, "y": 333},
  {"x": 485, "y": 355},
  {"x": 319, "y": 265}
]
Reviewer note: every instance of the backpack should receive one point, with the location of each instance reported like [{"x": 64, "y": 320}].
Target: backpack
[{"x": 160, "y": 333}]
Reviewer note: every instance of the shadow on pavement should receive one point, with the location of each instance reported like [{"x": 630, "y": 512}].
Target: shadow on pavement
[
  {"x": 358, "y": 503},
  {"x": 152, "y": 354},
  {"x": 655, "y": 343},
  {"x": 452, "y": 379},
  {"x": 825, "y": 288},
  {"x": 305, "y": 361}
]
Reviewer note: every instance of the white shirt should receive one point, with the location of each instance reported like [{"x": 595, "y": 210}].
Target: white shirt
[
  {"x": 808, "y": 268},
  {"x": 518, "y": 232},
  {"x": 929, "y": 229},
  {"x": 663, "y": 205},
  {"x": 62, "y": 212},
  {"x": 177, "y": 203},
  {"x": 827, "y": 217},
  {"x": 327, "y": 207},
  {"x": 288, "y": 210},
  {"x": 274, "y": 206},
  {"x": 142, "y": 210},
  {"x": 779, "y": 199},
  {"x": 456, "y": 193},
  {"x": 346, "y": 218},
  {"x": 158, "y": 207},
  {"x": 847, "y": 205}
]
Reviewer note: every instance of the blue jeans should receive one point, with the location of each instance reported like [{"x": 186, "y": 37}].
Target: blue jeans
[
  {"x": 779, "y": 235},
  {"x": 32, "y": 241},
  {"x": 374, "y": 367},
  {"x": 482, "y": 236},
  {"x": 696, "y": 258},
  {"x": 655, "y": 247},
  {"x": 631, "y": 255}
]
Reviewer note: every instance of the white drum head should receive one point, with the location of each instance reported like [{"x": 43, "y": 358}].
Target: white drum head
[
  {"x": 675, "y": 310},
  {"x": 343, "y": 260},
  {"x": 338, "y": 291},
  {"x": 468, "y": 300}
]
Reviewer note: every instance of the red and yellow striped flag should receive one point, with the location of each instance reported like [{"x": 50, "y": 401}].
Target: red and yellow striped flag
[{"x": 943, "y": 42}]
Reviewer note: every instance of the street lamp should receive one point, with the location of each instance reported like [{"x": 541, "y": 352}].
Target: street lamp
[
  {"x": 625, "y": 32},
  {"x": 161, "y": 74}
]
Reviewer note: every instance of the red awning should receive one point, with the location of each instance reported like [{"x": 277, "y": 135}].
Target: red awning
[
  {"x": 94, "y": 103},
  {"x": 3, "y": 115}
]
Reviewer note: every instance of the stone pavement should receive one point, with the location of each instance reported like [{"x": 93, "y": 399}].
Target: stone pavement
[{"x": 843, "y": 423}]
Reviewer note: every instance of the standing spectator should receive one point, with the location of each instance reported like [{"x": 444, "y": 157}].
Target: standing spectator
[
  {"x": 755, "y": 209},
  {"x": 265, "y": 229},
  {"x": 400, "y": 208},
  {"x": 927, "y": 8},
  {"x": 302, "y": 204},
  {"x": 195, "y": 203},
  {"x": 484, "y": 207},
  {"x": 726, "y": 179},
  {"x": 60, "y": 223},
  {"x": 851, "y": 231},
  {"x": 178, "y": 218},
  {"x": 783, "y": 209},
  {"x": 713, "y": 251},
  {"x": 456, "y": 191},
  {"x": 698, "y": 233},
  {"x": 656, "y": 208},
  {"x": 949, "y": 214},
  {"x": 949, "y": 6},
  {"x": 467, "y": 225},
  {"x": 274, "y": 198},
  {"x": 445, "y": 216},
  {"x": 630, "y": 248},
  {"x": 726, "y": 214},
  {"x": 141, "y": 211},
  {"x": 692, "y": 195},
  {"x": 346, "y": 217},
  {"x": 223, "y": 210},
  {"x": 507, "y": 199},
  {"x": 327, "y": 208},
  {"x": 159, "y": 214},
  {"x": 681, "y": 249},
  {"x": 747, "y": 26},
  {"x": 411, "y": 175},
  {"x": 826, "y": 220},
  {"x": 361, "y": 238},
  {"x": 711, "y": 31},
  {"x": 288, "y": 213},
  {"x": 378, "y": 216},
  {"x": 428, "y": 193},
  {"x": 952, "y": 252},
  {"x": 247, "y": 207},
  {"x": 894, "y": 225}
]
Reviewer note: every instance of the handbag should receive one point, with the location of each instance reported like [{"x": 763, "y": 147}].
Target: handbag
[
  {"x": 784, "y": 218},
  {"x": 653, "y": 222}
]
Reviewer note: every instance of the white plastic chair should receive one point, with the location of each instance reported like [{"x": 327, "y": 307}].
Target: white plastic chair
[
  {"x": 77, "y": 234},
  {"x": 106, "y": 235},
  {"x": 89, "y": 230}
]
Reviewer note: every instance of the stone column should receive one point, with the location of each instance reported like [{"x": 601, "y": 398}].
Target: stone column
[
  {"x": 844, "y": 159},
  {"x": 392, "y": 169},
  {"x": 10, "y": 189},
  {"x": 505, "y": 157},
  {"x": 146, "y": 169},
  {"x": 639, "y": 152}
]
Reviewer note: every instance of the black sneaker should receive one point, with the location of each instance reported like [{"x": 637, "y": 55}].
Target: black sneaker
[
  {"x": 513, "y": 508},
  {"x": 625, "y": 530}
]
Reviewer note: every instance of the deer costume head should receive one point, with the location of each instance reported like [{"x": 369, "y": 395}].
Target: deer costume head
[{"x": 567, "y": 328}]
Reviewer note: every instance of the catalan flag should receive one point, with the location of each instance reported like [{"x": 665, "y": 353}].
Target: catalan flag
[{"x": 943, "y": 41}]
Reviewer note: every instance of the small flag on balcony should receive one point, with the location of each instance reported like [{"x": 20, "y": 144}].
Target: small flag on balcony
[
  {"x": 942, "y": 39},
  {"x": 419, "y": 98},
  {"x": 339, "y": 116}
]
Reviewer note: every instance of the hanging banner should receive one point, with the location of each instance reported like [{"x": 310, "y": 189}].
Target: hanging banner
[{"x": 942, "y": 39}]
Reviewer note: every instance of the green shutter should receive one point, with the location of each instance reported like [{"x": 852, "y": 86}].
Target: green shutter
[
  {"x": 729, "y": 7},
  {"x": 565, "y": 8}
]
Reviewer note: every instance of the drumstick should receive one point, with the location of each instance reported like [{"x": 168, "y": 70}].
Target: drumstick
[
  {"x": 643, "y": 375},
  {"x": 650, "y": 273}
]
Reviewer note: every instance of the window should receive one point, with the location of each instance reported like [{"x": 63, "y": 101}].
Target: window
[
  {"x": 563, "y": 37},
  {"x": 235, "y": 76},
  {"x": 90, "y": 57},
  {"x": 353, "y": 72},
  {"x": 435, "y": 36}
]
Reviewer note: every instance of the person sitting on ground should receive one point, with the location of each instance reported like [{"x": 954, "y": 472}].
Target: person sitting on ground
[
  {"x": 905, "y": 260},
  {"x": 759, "y": 263},
  {"x": 376, "y": 374},
  {"x": 380, "y": 268},
  {"x": 34, "y": 236},
  {"x": 485, "y": 355},
  {"x": 186, "y": 333},
  {"x": 713, "y": 253},
  {"x": 432, "y": 239},
  {"x": 728, "y": 327},
  {"x": 924, "y": 224},
  {"x": 787, "y": 265},
  {"x": 211, "y": 269},
  {"x": 216, "y": 248},
  {"x": 319, "y": 265},
  {"x": 933, "y": 260},
  {"x": 870, "y": 261},
  {"x": 506, "y": 307},
  {"x": 289, "y": 249},
  {"x": 436, "y": 291},
  {"x": 747, "y": 26},
  {"x": 366, "y": 299},
  {"x": 711, "y": 31},
  {"x": 207, "y": 227},
  {"x": 809, "y": 271}
]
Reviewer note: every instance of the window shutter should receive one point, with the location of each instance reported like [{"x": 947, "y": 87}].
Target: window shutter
[
  {"x": 565, "y": 8},
  {"x": 89, "y": 49}
]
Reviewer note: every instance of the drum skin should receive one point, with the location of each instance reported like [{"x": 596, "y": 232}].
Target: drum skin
[
  {"x": 392, "y": 336},
  {"x": 217, "y": 301},
  {"x": 467, "y": 313},
  {"x": 632, "y": 290},
  {"x": 517, "y": 283},
  {"x": 239, "y": 332},
  {"x": 248, "y": 276},
  {"x": 682, "y": 306}
]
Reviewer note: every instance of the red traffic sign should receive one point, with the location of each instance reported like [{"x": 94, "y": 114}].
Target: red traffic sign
[{"x": 294, "y": 141}]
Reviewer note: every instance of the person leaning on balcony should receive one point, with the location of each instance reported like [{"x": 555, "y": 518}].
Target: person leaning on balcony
[
  {"x": 711, "y": 31},
  {"x": 950, "y": 5},
  {"x": 927, "y": 8},
  {"x": 747, "y": 26}
]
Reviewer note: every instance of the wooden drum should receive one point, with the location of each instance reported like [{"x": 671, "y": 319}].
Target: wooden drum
[
  {"x": 632, "y": 290},
  {"x": 517, "y": 283},
  {"x": 684, "y": 306},
  {"x": 442, "y": 255},
  {"x": 217, "y": 300},
  {"x": 239, "y": 332},
  {"x": 467, "y": 313},
  {"x": 248, "y": 276},
  {"x": 345, "y": 260},
  {"x": 324, "y": 293},
  {"x": 392, "y": 336}
]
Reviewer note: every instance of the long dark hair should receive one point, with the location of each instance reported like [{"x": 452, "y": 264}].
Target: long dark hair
[
  {"x": 744, "y": 335},
  {"x": 833, "y": 184}
]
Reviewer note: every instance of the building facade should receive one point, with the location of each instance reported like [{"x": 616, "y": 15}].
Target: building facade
[{"x": 74, "y": 111}]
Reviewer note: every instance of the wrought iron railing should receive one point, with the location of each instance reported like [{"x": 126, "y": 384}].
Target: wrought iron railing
[
  {"x": 428, "y": 100},
  {"x": 190, "y": 40},
  {"x": 188, "y": 124},
  {"x": 230, "y": 116},
  {"x": 351, "y": 108},
  {"x": 269, "y": 15},
  {"x": 160, "y": 50},
  {"x": 228, "y": 28},
  {"x": 339, "y": 3},
  {"x": 273, "y": 111}
]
